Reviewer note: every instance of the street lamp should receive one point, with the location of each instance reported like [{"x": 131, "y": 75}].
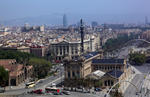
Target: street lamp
[{"x": 119, "y": 83}]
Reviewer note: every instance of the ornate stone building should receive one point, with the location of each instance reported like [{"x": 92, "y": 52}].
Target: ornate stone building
[
  {"x": 80, "y": 67},
  {"x": 71, "y": 49},
  {"x": 18, "y": 73}
]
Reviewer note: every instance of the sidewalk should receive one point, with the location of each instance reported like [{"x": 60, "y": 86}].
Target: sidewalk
[
  {"x": 125, "y": 85},
  {"x": 20, "y": 86}
]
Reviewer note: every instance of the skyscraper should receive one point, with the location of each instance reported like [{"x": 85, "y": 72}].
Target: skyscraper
[
  {"x": 64, "y": 20},
  {"x": 146, "y": 20}
]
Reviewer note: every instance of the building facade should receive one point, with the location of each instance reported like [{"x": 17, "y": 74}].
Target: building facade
[
  {"x": 18, "y": 73},
  {"x": 81, "y": 66},
  {"x": 72, "y": 49},
  {"x": 38, "y": 51},
  {"x": 107, "y": 65}
]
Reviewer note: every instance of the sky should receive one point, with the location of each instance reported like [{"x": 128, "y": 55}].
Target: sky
[{"x": 13, "y": 9}]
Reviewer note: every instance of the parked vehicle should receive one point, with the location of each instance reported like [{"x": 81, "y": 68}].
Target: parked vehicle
[
  {"x": 52, "y": 90},
  {"x": 30, "y": 85},
  {"x": 38, "y": 91},
  {"x": 2, "y": 90},
  {"x": 98, "y": 89},
  {"x": 66, "y": 92}
]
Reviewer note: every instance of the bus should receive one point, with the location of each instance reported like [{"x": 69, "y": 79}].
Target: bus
[
  {"x": 52, "y": 90},
  {"x": 30, "y": 85}
]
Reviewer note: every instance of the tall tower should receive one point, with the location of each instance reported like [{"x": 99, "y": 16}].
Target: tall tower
[
  {"x": 82, "y": 36},
  {"x": 146, "y": 20},
  {"x": 64, "y": 20}
]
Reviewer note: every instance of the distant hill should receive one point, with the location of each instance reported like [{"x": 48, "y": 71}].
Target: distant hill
[{"x": 47, "y": 19}]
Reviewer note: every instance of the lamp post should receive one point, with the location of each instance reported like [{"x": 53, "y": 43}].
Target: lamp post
[{"x": 106, "y": 95}]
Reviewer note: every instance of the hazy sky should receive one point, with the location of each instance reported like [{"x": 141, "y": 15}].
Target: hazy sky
[{"x": 11, "y": 9}]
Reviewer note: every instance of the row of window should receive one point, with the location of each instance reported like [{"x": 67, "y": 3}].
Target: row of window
[
  {"x": 74, "y": 74},
  {"x": 63, "y": 51},
  {"x": 97, "y": 67},
  {"x": 109, "y": 83}
]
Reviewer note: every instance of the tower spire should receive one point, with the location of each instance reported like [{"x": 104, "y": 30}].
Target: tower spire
[{"x": 82, "y": 35}]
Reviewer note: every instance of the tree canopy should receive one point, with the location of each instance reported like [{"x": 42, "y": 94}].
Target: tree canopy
[
  {"x": 137, "y": 58},
  {"x": 113, "y": 44},
  {"x": 20, "y": 57},
  {"x": 41, "y": 67},
  {"x": 3, "y": 76}
]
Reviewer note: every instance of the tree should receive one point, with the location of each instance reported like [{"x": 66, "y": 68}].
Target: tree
[
  {"x": 98, "y": 83},
  {"x": 41, "y": 67},
  {"x": 21, "y": 57},
  {"x": 4, "y": 76},
  {"x": 116, "y": 94},
  {"x": 115, "y": 43},
  {"x": 137, "y": 58}
]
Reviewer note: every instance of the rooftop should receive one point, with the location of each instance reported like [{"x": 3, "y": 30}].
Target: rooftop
[
  {"x": 115, "y": 73},
  {"x": 108, "y": 61},
  {"x": 89, "y": 55}
]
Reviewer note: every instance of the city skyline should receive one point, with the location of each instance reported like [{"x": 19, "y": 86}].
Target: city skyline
[{"x": 102, "y": 11}]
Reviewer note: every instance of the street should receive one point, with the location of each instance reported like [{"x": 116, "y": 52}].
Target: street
[{"x": 46, "y": 82}]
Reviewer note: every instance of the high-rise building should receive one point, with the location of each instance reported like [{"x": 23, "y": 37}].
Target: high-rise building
[
  {"x": 94, "y": 24},
  {"x": 65, "y": 20},
  {"x": 146, "y": 20}
]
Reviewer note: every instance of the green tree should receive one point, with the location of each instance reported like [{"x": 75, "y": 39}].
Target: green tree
[
  {"x": 21, "y": 57},
  {"x": 113, "y": 44},
  {"x": 41, "y": 67},
  {"x": 116, "y": 94},
  {"x": 98, "y": 83},
  {"x": 3, "y": 76},
  {"x": 137, "y": 58}
]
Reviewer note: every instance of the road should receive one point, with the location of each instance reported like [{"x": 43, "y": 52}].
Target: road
[
  {"x": 131, "y": 90},
  {"x": 52, "y": 79}
]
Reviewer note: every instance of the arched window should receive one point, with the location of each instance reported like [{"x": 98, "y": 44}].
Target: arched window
[
  {"x": 105, "y": 83},
  {"x": 112, "y": 83},
  {"x": 73, "y": 74},
  {"x": 68, "y": 74}
]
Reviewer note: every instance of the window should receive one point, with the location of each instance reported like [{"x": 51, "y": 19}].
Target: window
[
  {"x": 105, "y": 83},
  {"x": 108, "y": 82},
  {"x": 108, "y": 68},
  {"x": 112, "y": 83},
  {"x": 67, "y": 49},
  {"x": 68, "y": 74},
  {"x": 73, "y": 74},
  {"x": 96, "y": 67},
  {"x": 78, "y": 74}
]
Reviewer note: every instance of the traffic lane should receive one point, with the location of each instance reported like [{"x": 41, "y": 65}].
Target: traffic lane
[
  {"x": 131, "y": 90},
  {"x": 37, "y": 85},
  {"x": 40, "y": 85}
]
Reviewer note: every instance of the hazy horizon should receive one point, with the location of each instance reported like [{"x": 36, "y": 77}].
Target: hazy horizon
[{"x": 111, "y": 11}]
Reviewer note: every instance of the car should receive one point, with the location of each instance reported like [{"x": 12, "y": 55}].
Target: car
[
  {"x": 85, "y": 91},
  {"x": 38, "y": 91},
  {"x": 98, "y": 89},
  {"x": 66, "y": 92},
  {"x": 2, "y": 90}
]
